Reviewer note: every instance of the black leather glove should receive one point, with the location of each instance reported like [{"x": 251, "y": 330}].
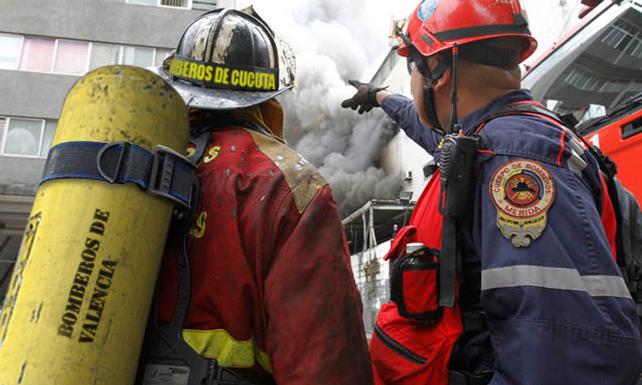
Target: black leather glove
[{"x": 365, "y": 98}]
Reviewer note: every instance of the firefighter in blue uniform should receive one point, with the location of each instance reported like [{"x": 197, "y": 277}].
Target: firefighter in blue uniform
[{"x": 538, "y": 255}]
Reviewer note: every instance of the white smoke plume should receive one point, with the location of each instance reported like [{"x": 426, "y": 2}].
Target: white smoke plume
[{"x": 337, "y": 40}]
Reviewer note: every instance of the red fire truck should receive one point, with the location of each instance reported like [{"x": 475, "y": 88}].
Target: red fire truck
[{"x": 595, "y": 73}]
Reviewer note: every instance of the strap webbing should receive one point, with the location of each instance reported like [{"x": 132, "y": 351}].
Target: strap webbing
[
  {"x": 79, "y": 160},
  {"x": 162, "y": 172},
  {"x": 448, "y": 263}
]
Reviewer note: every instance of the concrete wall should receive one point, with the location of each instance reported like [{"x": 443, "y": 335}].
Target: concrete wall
[
  {"x": 96, "y": 20},
  {"x": 20, "y": 176},
  {"x": 33, "y": 94}
]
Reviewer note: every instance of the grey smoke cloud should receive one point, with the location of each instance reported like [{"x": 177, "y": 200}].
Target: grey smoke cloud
[{"x": 337, "y": 40}]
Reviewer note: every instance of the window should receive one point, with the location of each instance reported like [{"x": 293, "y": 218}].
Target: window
[
  {"x": 637, "y": 51},
  {"x": 23, "y": 137},
  {"x": 71, "y": 57},
  {"x": 103, "y": 55},
  {"x": 631, "y": 129},
  {"x": 594, "y": 111},
  {"x": 165, "y": 3},
  {"x": 37, "y": 54},
  {"x": 613, "y": 86},
  {"x": 138, "y": 56},
  {"x": 161, "y": 54},
  {"x": 47, "y": 137},
  {"x": 204, "y": 5},
  {"x": 623, "y": 36},
  {"x": 3, "y": 127},
  {"x": 28, "y": 137},
  {"x": 10, "y": 51}
]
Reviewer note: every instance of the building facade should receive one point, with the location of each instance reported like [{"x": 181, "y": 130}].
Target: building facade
[{"x": 45, "y": 46}]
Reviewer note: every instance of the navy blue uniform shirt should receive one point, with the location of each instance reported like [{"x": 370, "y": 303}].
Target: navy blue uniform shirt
[{"x": 558, "y": 310}]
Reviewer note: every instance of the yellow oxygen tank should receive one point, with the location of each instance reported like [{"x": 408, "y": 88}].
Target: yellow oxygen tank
[{"x": 78, "y": 301}]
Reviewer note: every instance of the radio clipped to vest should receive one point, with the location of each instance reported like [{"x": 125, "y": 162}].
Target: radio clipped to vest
[
  {"x": 456, "y": 165},
  {"x": 458, "y": 154}
]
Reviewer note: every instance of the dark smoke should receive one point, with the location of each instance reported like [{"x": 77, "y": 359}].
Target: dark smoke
[{"x": 335, "y": 41}]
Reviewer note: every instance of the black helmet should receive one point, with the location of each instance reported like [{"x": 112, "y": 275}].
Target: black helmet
[{"x": 228, "y": 59}]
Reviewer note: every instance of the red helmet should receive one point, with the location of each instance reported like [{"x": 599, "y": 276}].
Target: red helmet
[{"x": 437, "y": 25}]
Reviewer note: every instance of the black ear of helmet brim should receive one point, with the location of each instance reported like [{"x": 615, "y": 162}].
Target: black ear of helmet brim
[{"x": 216, "y": 98}]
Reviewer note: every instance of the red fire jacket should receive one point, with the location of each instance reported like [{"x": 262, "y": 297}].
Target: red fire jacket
[{"x": 272, "y": 287}]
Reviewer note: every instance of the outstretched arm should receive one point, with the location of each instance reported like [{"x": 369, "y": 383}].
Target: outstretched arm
[{"x": 401, "y": 109}]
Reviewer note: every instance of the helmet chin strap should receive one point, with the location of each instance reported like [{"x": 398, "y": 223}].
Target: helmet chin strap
[
  {"x": 455, "y": 127},
  {"x": 429, "y": 94},
  {"x": 430, "y": 76},
  {"x": 430, "y": 109}
]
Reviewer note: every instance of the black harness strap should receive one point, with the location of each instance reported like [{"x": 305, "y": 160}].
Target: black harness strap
[
  {"x": 163, "y": 172},
  {"x": 164, "y": 345},
  {"x": 200, "y": 140},
  {"x": 448, "y": 263}
]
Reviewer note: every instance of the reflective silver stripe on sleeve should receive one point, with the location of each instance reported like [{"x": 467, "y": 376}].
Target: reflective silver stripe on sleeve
[{"x": 554, "y": 278}]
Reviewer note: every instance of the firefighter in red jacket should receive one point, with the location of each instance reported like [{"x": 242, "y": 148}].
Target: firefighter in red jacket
[{"x": 272, "y": 289}]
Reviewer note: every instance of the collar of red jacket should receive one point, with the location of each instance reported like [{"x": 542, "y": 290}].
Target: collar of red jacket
[{"x": 268, "y": 115}]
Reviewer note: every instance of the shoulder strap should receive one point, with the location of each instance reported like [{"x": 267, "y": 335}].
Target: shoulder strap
[{"x": 523, "y": 108}]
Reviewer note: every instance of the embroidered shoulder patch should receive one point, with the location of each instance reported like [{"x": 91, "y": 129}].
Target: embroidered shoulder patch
[{"x": 522, "y": 191}]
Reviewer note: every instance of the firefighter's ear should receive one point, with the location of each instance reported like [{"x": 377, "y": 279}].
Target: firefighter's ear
[
  {"x": 444, "y": 82},
  {"x": 439, "y": 72}
]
